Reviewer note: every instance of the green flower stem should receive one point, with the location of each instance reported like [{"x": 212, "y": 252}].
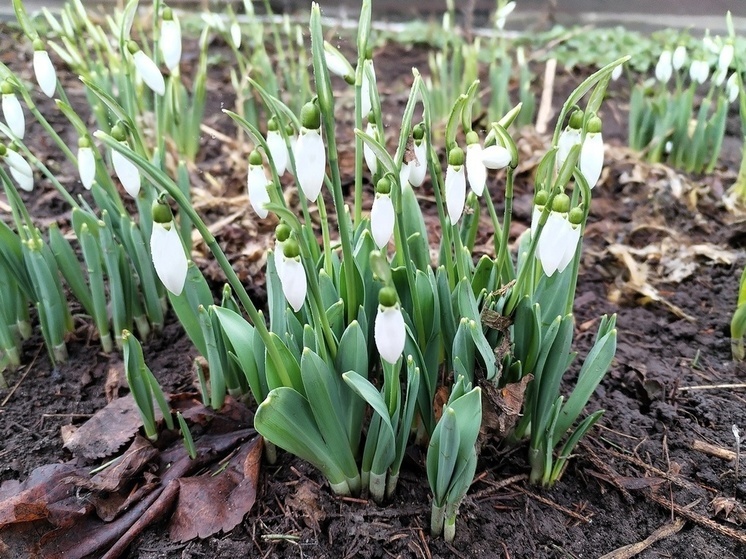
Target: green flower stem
[
  {"x": 583, "y": 185},
  {"x": 321, "y": 205},
  {"x": 503, "y": 258}
]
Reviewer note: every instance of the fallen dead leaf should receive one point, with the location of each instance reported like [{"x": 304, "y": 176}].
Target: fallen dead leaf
[{"x": 305, "y": 502}]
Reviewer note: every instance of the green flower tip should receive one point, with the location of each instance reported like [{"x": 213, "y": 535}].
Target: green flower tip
[
  {"x": 456, "y": 157},
  {"x": 576, "y": 215},
  {"x": 3, "y": 150},
  {"x": 369, "y": 53},
  {"x": 117, "y": 132},
  {"x": 310, "y": 116},
  {"x": 38, "y": 44},
  {"x": 255, "y": 158},
  {"x": 291, "y": 249},
  {"x": 168, "y": 14},
  {"x": 594, "y": 125},
  {"x": 372, "y": 117},
  {"x": 472, "y": 138},
  {"x": 289, "y": 130},
  {"x": 282, "y": 232},
  {"x": 6, "y": 88},
  {"x": 84, "y": 142},
  {"x": 561, "y": 203},
  {"x": 387, "y": 297},
  {"x": 383, "y": 186},
  {"x": 132, "y": 47},
  {"x": 272, "y": 124},
  {"x": 576, "y": 120},
  {"x": 161, "y": 212},
  {"x": 541, "y": 197},
  {"x": 419, "y": 131}
]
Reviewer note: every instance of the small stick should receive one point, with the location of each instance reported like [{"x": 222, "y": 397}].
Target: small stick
[
  {"x": 629, "y": 551},
  {"x": 554, "y": 505},
  {"x": 712, "y": 387},
  {"x": 545, "y": 106},
  {"x": 20, "y": 380},
  {"x": 737, "y": 435},
  {"x": 714, "y": 450}
]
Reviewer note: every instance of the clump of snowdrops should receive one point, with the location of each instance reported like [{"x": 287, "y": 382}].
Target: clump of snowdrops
[{"x": 363, "y": 329}]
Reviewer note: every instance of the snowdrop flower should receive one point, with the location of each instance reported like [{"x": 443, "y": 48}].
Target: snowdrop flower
[
  {"x": 417, "y": 165},
  {"x": 390, "y": 332},
  {"x": 382, "y": 215},
  {"x": 368, "y": 84},
  {"x": 731, "y": 87},
  {"x": 476, "y": 172},
  {"x": 370, "y": 157},
  {"x": 257, "y": 184},
  {"x": 455, "y": 184},
  {"x": 86, "y": 162},
  {"x": 679, "y": 57},
  {"x": 44, "y": 71},
  {"x": 699, "y": 70},
  {"x": 664, "y": 68},
  {"x": 725, "y": 57},
  {"x": 540, "y": 201},
  {"x": 502, "y": 14},
  {"x": 616, "y": 73},
  {"x": 12, "y": 111},
  {"x": 169, "y": 259},
  {"x": 592, "y": 152},
  {"x": 292, "y": 275},
  {"x": 496, "y": 157},
  {"x": 338, "y": 64},
  {"x": 277, "y": 147},
  {"x": 20, "y": 169},
  {"x": 170, "y": 40},
  {"x": 559, "y": 238},
  {"x": 236, "y": 35},
  {"x": 282, "y": 234},
  {"x": 310, "y": 156},
  {"x": 147, "y": 69},
  {"x": 569, "y": 137},
  {"x": 126, "y": 171}
]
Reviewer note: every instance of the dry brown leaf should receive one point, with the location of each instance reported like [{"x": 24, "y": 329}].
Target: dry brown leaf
[{"x": 305, "y": 502}]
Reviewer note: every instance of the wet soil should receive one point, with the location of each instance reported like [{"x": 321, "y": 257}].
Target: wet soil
[{"x": 638, "y": 471}]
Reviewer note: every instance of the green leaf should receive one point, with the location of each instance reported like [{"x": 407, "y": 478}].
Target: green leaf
[
  {"x": 292, "y": 378},
  {"x": 241, "y": 334},
  {"x": 196, "y": 292}
]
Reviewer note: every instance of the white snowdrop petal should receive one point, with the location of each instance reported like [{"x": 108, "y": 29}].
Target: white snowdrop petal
[
  {"x": 390, "y": 333},
  {"x": 86, "y": 166},
  {"x": 16, "y": 161},
  {"x": 366, "y": 86},
  {"x": 495, "y": 157},
  {"x": 169, "y": 259},
  {"x": 664, "y": 67},
  {"x": 293, "y": 280},
  {"x": 382, "y": 218},
  {"x": 616, "y": 73},
  {"x": 370, "y": 157},
  {"x": 44, "y": 71},
  {"x": 257, "y": 186},
  {"x": 418, "y": 165},
  {"x": 570, "y": 239},
  {"x": 476, "y": 172},
  {"x": 569, "y": 137},
  {"x": 550, "y": 249},
  {"x": 310, "y": 163},
  {"x": 592, "y": 158},
  {"x": 278, "y": 257},
  {"x": 13, "y": 113},
  {"x": 699, "y": 70},
  {"x": 170, "y": 43},
  {"x": 725, "y": 57},
  {"x": 337, "y": 65},
  {"x": 535, "y": 216},
  {"x": 679, "y": 57},
  {"x": 127, "y": 172},
  {"x": 405, "y": 174},
  {"x": 149, "y": 72},
  {"x": 455, "y": 186},
  {"x": 236, "y": 34},
  {"x": 731, "y": 87},
  {"x": 278, "y": 150},
  {"x": 24, "y": 181}
]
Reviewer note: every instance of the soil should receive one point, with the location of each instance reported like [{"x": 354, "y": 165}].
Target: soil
[{"x": 639, "y": 471}]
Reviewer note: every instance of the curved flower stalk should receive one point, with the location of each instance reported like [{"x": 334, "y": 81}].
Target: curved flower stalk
[
  {"x": 147, "y": 69},
  {"x": 277, "y": 147},
  {"x": 382, "y": 215},
  {"x": 170, "y": 40},
  {"x": 390, "y": 332},
  {"x": 169, "y": 259},
  {"x": 86, "y": 162},
  {"x": 293, "y": 275},
  {"x": 476, "y": 172},
  {"x": 258, "y": 184},
  {"x": 127, "y": 172},
  {"x": 417, "y": 165},
  {"x": 12, "y": 111},
  {"x": 44, "y": 71},
  {"x": 592, "y": 153},
  {"x": 664, "y": 67},
  {"x": 455, "y": 185},
  {"x": 310, "y": 155}
]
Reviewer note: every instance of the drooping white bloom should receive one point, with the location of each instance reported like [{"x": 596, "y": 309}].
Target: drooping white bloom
[
  {"x": 592, "y": 157},
  {"x": 127, "y": 172},
  {"x": 718, "y": 77},
  {"x": 725, "y": 57},
  {"x": 278, "y": 150},
  {"x": 13, "y": 113},
  {"x": 699, "y": 70},
  {"x": 382, "y": 218},
  {"x": 568, "y": 138},
  {"x": 455, "y": 186},
  {"x": 17, "y": 163},
  {"x": 293, "y": 280},
  {"x": 557, "y": 243},
  {"x": 390, "y": 333},
  {"x": 664, "y": 67},
  {"x": 236, "y": 34},
  {"x": 370, "y": 157},
  {"x": 24, "y": 181},
  {"x": 169, "y": 258},
  {"x": 310, "y": 162},
  {"x": 44, "y": 71},
  {"x": 476, "y": 172},
  {"x": 418, "y": 164},
  {"x": 86, "y": 166},
  {"x": 367, "y": 85},
  {"x": 257, "y": 184},
  {"x": 679, "y": 57},
  {"x": 495, "y": 157},
  {"x": 616, "y": 73},
  {"x": 149, "y": 72},
  {"x": 170, "y": 43},
  {"x": 731, "y": 87},
  {"x": 337, "y": 63}
]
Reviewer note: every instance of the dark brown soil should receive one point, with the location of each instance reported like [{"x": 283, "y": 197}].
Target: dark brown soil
[{"x": 636, "y": 472}]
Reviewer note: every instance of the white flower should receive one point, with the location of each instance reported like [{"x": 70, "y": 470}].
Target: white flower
[
  {"x": 725, "y": 57},
  {"x": 170, "y": 43},
  {"x": 679, "y": 57},
  {"x": 699, "y": 70},
  {"x": 476, "y": 172},
  {"x": 293, "y": 280},
  {"x": 557, "y": 243},
  {"x": 169, "y": 258},
  {"x": 418, "y": 165},
  {"x": 382, "y": 217},
  {"x": 337, "y": 63},
  {"x": 127, "y": 172},
  {"x": 366, "y": 86},
  {"x": 257, "y": 184},
  {"x": 503, "y": 13},
  {"x": 236, "y": 34},
  {"x": 455, "y": 186},
  {"x": 13, "y": 113},
  {"x": 86, "y": 166},
  {"x": 664, "y": 68},
  {"x": 24, "y": 181},
  {"x": 390, "y": 333},
  {"x": 592, "y": 157},
  {"x": 616, "y": 73},
  {"x": 731, "y": 87},
  {"x": 149, "y": 72},
  {"x": 568, "y": 139},
  {"x": 46, "y": 77},
  {"x": 495, "y": 157},
  {"x": 278, "y": 150},
  {"x": 370, "y": 157},
  {"x": 310, "y": 163},
  {"x": 17, "y": 163}
]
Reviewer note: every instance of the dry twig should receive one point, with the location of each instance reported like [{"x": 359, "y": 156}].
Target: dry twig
[{"x": 629, "y": 551}]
